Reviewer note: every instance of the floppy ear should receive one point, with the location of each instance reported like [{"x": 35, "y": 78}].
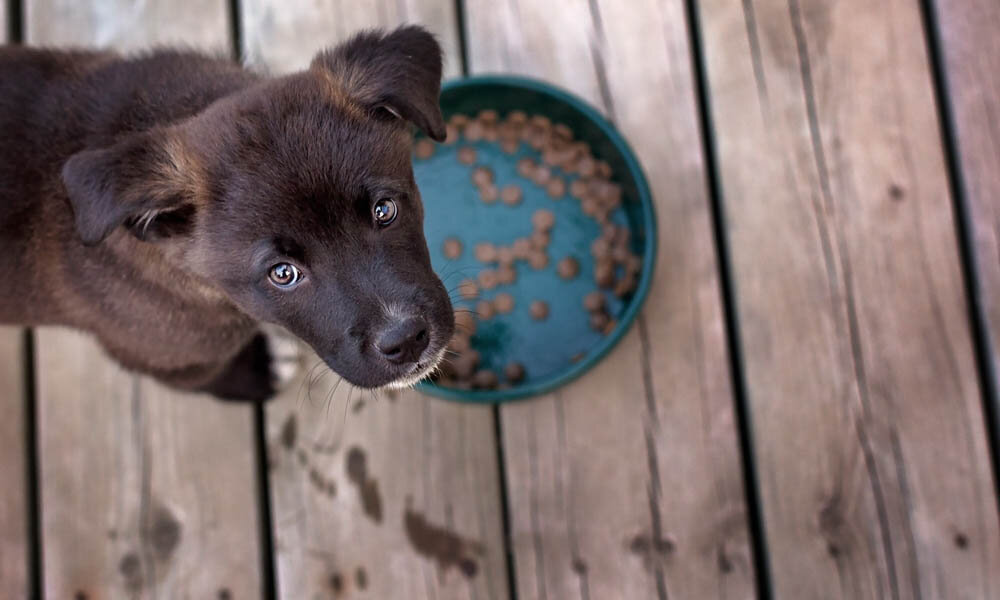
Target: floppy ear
[
  {"x": 145, "y": 182},
  {"x": 397, "y": 72}
]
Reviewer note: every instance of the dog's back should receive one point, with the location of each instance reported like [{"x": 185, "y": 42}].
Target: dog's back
[{"x": 55, "y": 103}]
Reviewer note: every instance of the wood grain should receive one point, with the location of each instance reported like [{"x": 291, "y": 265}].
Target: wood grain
[
  {"x": 403, "y": 489},
  {"x": 971, "y": 51},
  {"x": 867, "y": 418},
  {"x": 13, "y": 491},
  {"x": 145, "y": 492},
  {"x": 627, "y": 483}
]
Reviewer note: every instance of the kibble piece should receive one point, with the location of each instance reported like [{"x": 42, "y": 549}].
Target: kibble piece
[
  {"x": 526, "y": 167},
  {"x": 504, "y": 303},
  {"x": 488, "y": 279},
  {"x": 485, "y": 310},
  {"x": 465, "y": 364},
  {"x": 459, "y": 343},
  {"x": 489, "y": 193},
  {"x": 600, "y": 248},
  {"x": 590, "y": 206},
  {"x": 486, "y": 252},
  {"x": 540, "y": 240},
  {"x": 522, "y": 248},
  {"x": 485, "y": 379},
  {"x": 594, "y": 301},
  {"x": 518, "y": 117},
  {"x": 424, "y": 148},
  {"x": 452, "y": 248},
  {"x": 514, "y": 372},
  {"x": 511, "y": 194},
  {"x": 579, "y": 187},
  {"x": 538, "y": 260},
  {"x": 604, "y": 273},
  {"x": 625, "y": 285},
  {"x": 506, "y": 275},
  {"x": 488, "y": 115},
  {"x": 633, "y": 264},
  {"x": 620, "y": 254},
  {"x": 556, "y": 188},
  {"x": 539, "y": 310},
  {"x": 490, "y": 132},
  {"x": 603, "y": 169},
  {"x": 543, "y": 219},
  {"x": 562, "y": 131},
  {"x": 459, "y": 121},
  {"x": 541, "y": 121},
  {"x": 474, "y": 131},
  {"x": 468, "y": 289},
  {"x": 611, "y": 325},
  {"x": 586, "y": 167},
  {"x": 450, "y": 134},
  {"x": 568, "y": 268},
  {"x": 506, "y": 256},
  {"x": 599, "y": 320},
  {"x": 541, "y": 175},
  {"x": 466, "y": 155},
  {"x": 577, "y": 357},
  {"x": 465, "y": 322},
  {"x": 509, "y": 146},
  {"x": 482, "y": 176}
]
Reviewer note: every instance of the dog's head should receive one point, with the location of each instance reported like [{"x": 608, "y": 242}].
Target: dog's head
[{"x": 296, "y": 197}]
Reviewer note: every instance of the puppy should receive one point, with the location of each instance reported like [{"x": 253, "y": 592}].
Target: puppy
[{"x": 171, "y": 203}]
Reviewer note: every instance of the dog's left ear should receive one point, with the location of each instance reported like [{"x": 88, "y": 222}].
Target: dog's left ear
[
  {"x": 397, "y": 73},
  {"x": 146, "y": 181}
]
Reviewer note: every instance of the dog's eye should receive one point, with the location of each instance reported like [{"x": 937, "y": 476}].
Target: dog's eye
[
  {"x": 384, "y": 211},
  {"x": 284, "y": 275}
]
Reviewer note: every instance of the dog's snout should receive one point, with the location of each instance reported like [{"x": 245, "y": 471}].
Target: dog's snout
[{"x": 404, "y": 341}]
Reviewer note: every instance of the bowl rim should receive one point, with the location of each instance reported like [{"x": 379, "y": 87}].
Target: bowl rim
[{"x": 645, "y": 197}]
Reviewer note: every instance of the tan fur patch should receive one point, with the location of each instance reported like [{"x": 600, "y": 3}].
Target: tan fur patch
[{"x": 341, "y": 91}]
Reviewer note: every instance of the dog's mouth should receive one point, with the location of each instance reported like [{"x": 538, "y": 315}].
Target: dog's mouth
[{"x": 418, "y": 372}]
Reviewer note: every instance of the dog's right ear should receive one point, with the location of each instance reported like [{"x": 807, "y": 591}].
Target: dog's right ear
[{"x": 147, "y": 181}]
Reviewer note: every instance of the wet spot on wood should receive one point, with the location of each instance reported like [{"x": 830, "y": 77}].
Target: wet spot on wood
[
  {"x": 579, "y": 567},
  {"x": 357, "y": 472},
  {"x": 724, "y": 562},
  {"x": 961, "y": 541},
  {"x": 112, "y": 534},
  {"x": 80, "y": 595},
  {"x": 833, "y": 550},
  {"x": 130, "y": 568},
  {"x": 361, "y": 578},
  {"x": 896, "y": 192},
  {"x": 289, "y": 432},
  {"x": 336, "y": 583},
  {"x": 224, "y": 594},
  {"x": 358, "y": 406},
  {"x": 652, "y": 550},
  {"x": 447, "y": 548},
  {"x": 162, "y": 533}
]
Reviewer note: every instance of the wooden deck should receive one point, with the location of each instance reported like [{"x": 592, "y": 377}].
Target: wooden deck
[{"x": 806, "y": 407}]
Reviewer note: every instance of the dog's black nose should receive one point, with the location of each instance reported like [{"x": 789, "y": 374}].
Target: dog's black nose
[{"x": 404, "y": 341}]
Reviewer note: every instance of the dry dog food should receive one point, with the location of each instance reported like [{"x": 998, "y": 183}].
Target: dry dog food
[
  {"x": 562, "y": 167},
  {"x": 452, "y": 248}
]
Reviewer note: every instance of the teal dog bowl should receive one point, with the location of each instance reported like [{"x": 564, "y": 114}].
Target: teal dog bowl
[{"x": 563, "y": 346}]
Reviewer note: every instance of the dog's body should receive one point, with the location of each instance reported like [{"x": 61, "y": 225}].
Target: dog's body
[{"x": 152, "y": 200}]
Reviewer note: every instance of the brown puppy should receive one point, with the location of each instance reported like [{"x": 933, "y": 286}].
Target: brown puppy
[{"x": 171, "y": 202}]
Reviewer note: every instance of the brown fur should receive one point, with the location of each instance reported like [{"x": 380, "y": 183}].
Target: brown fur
[{"x": 144, "y": 199}]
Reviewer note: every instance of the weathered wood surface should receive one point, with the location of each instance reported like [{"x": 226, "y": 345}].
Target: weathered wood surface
[
  {"x": 405, "y": 490},
  {"x": 13, "y": 490},
  {"x": 867, "y": 417},
  {"x": 145, "y": 492},
  {"x": 627, "y": 483},
  {"x": 971, "y": 49}
]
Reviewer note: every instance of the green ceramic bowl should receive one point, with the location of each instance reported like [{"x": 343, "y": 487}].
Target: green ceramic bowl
[{"x": 563, "y": 346}]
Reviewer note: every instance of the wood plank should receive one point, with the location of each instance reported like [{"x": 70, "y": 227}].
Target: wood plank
[
  {"x": 867, "y": 417},
  {"x": 145, "y": 492},
  {"x": 430, "y": 467},
  {"x": 971, "y": 52},
  {"x": 642, "y": 452},
  {"x": 13, "y": 484}
]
